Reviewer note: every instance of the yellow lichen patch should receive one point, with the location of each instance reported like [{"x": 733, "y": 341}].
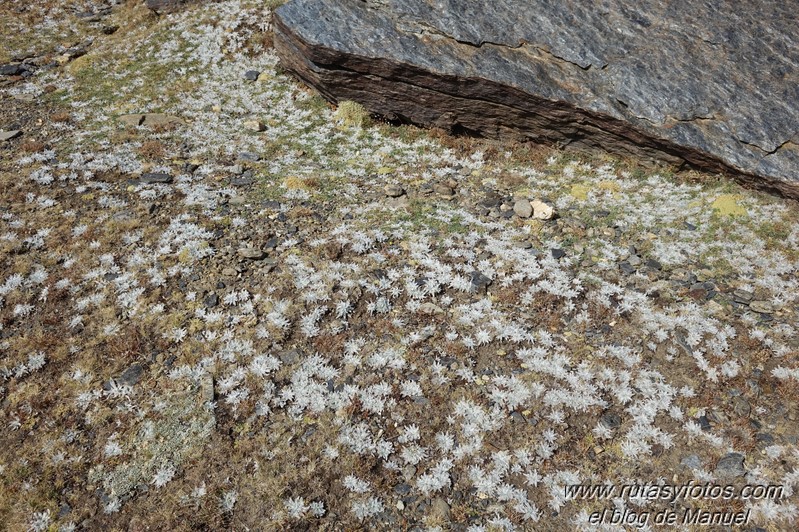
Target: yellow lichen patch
[
  {"x": 727, "y": 204},
  {"x": 611, "y": 186},
  {"x": 351, "y": 114},
  {"x": 579, "y": 191}
]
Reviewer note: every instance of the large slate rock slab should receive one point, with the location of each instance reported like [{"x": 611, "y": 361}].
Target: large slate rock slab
[{"x": 712, "y": 84}]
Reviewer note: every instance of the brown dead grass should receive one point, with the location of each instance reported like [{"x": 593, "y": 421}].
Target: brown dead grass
[{"x": 152, "y": 150}]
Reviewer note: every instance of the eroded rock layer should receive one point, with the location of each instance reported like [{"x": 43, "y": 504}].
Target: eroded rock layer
[{"x": 714, "y": 85}]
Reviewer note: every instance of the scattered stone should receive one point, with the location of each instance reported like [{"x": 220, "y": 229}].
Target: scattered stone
[
  {"x": 133, "y": 374},
  {"x": 155, "y": 177},
  {"x": 730, "y": 466},
  {"x": 393, "y": 191},
  {"x": 626, "y": 268},
  {"x": 439, "y": 509},
  {"x": 557, "y": 253},
  {"x": 741, "y": 406},
  {"x": 12, "y": 70},
  {"x": 426, "y": 189},
  {"x": 479, "y": 281},
  {"x": 211, "y": 300},
  {"x": 762, "y": 307},
  {"x": 242, "y": 181},
  {"x": 444, "y": 191},
  {"x": 165, "y": 6},
  {"x": 653, "y": 264},
  {"x": 523, "y": 208},
  {"x": 8, "y": 135},
  {"x": 402, "y": 489},
  {"x": 610, "y": 420},
  {"x": 255, "y": 126},
  {"x": 691, "y": 461},
  {"x": 251, "y": 253},
  {"x": 742, "y": 296},
  {"x": 252, "y": 75},
  {"x": 249, "y": 156},
  {"x": 634, "y": 260},
  {"x": 290, "y": 356},
  {"x": 543, "y": 211},
  {"x": 430, "y": 308}
]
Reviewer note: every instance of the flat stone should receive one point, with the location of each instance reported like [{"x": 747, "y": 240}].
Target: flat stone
[
  {"x": 249, "y": 156},
  {"x": 8, "y": 135},
  {"x": 133, "y": 374},
  {"x": 691, "y": 461},
  {"x": 150, "y": 120},
  {"x": 674, "y": 82},
  {"x": 730, "y": 466},
  {"x": 610, "y": 420},
  {"x": 762, "y": 307},
  {"x": 12, "y": 70},
  {"x": 155, "y": 177},
  {"x": 251, "y": 253},
  {"x": 742, "y": 296},
  {"x": 522, "y": 208},
  {"x": 479, "y": 281},
  {"x": 165, "y": 6},
  {"x": 393, "y": 191},
  {"x": 242, "y": 181},
  {"x": 256, "y": 126},
  {"x": 439, "y": 509},
  {"x": 211, "y": 300},
  {"x": 543, "y": 211},
  {"x": 444, "y": 191},
  {"x": 290, "y": 356},
  {"x": 653, "y": 264}
]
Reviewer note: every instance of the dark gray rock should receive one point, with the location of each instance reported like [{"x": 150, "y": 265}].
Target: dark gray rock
[
  {"x": 730, "y": 466},
  {"x": 12, "y": 70},
  {"x": 242, "y": 181},
  {"x": 252, "y": 75},
  {"x": 610, "y": 420},
  {"x": 211, "y": 300},
  {"x": 479, "y": 282},
  {"x": 132, "y": 375},
  {"x": 155, "y": 178},
  {"x": 675, "y": 81}
]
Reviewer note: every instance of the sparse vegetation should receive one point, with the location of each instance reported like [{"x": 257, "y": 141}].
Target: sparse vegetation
[{"x": 272, "y": 339}]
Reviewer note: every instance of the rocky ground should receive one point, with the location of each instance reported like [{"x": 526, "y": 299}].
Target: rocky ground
[{"x": 225, "y": 304}]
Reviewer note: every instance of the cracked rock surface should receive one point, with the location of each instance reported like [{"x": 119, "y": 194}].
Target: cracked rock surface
[{"x": 710, "y": 85}]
